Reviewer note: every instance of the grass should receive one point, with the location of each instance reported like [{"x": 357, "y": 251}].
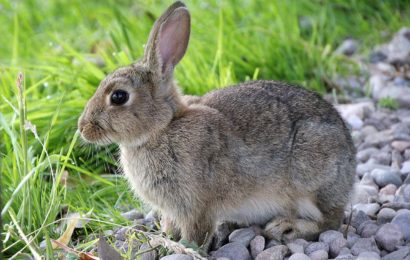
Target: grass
[{"x": 64, "y": 48}]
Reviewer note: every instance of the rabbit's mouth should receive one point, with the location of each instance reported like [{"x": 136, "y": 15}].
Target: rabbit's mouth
[{"x": 93, "y": 132}]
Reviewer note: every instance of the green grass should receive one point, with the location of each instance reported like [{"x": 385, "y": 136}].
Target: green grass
[{"x": 64, "y": 48}]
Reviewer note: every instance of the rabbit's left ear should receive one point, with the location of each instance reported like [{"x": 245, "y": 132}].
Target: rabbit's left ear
[{"x": 168, "y": 40}]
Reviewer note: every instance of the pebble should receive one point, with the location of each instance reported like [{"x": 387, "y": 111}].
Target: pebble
[
  {"x": 389, "y": 237},
  {"x": 336, "y": 245},
  {"x": 295, "y": 248},
  {"x": 385, "y": 215},
  {"x": 358, "y": 218},
  {"x": 243, "y": 236},
  {"x": 364, "y": 245},
  {"x": 368, "y": 228},
  {"x": 368, "y": 256},
  {"x": 348, "y": 47},
  {"x": 319, "y": 255},
  {"x": 400, "y": 145},
  {"x": 329, "y": 236},
  {"x": 299, "y": 256},
  {"x": 399, "y": 254},
  {"x": 177, "y": 257},
  {"x": 370, "y": 209},
  {"x": 365, "y": 154},
  {"x": 257, "y": 245},
  {"x": 389, "y": 189},
  {"x": 150, "y": 255},
  {"x": 315, "y": 247},
  {"x": 384, "y": 177},
  {"x": 405, "y": 169},
  {"x": 273, "y": 253},
  {"x": 402, "y": 220},
  {"x": 233, "y": 251},
  {"x": 406, "y": 193}
]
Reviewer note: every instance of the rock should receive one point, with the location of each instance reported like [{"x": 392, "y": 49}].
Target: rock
[
  {"x": 315, "y": 247},
  {"x": 369, "y": 166},
  {"x": 352, "y": 238},
  {"x": 385, "y": 215},
  {"x": 377, "y": 57},
  {"x": 370, "y": 209},
  {"x": 132, "y": 215},
  {"x": 400, "y": 94},
  {"x": 358, "y": 218},
  {"x": 243, "y": 236},
  {"x": 364, "y": 193},
  {"x": 405, "y": 169},
  {"x": 382, "y": 158},
  {"x": 355, "y": 122},
  {"x": 346, "y": 257},
  {"x": 400, "y": 145},
  {"x": 122, "y": 233},
  {"x": 389, "y": 237},
  {"x": 398, "y": 50},
  {"x": 399, "y": 254},
  {"x": 389, "y": 189},
  {"x": 319, "y": 255},
  {"x": 272, "y": 243},
  {"x": 365, "y": 245},
  {"x": 402, "y": 220},
  {"x": 406, "y": 193},
  {"x": 295, "y": 248},
  {"x": 336, "y": 245},
  {"x": 257, "y": 245},
  {"x": 329, "y": 236},
  {"x": 407, "y": 155},
  {"x": 299, "y": 256},
  {"x": 177, "y": 257},
  {"x": 368, "y": 228},
  {"x": 273, "y": 253},
  {"x": 233, "y": 251},
  {"x": 368, "y": 256},
  {"x": 384, "y": 177},
  {"x": 365, "y": 154},
  {"x": 348, "y": 47},
  {"x": 380, "y": 138},
  {"x": 150, "y": 255}
]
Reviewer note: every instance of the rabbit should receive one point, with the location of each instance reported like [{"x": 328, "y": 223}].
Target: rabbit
[{"x": 261, "y": 152}]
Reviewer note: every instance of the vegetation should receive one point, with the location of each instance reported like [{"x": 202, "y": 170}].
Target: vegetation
[{"x": 64, "y": 48}]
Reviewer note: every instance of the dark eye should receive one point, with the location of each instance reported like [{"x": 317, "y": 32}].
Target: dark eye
[{"x": 119, "y": 97}]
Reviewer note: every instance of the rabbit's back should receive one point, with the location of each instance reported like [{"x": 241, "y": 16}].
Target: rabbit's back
[{"x": 291, "y": 127}]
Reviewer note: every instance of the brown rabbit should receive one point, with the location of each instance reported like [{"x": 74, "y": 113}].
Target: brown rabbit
[{"x": 262, "y": 152}]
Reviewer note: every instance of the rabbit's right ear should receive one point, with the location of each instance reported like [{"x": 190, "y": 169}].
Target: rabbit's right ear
[{"x": 168, "y": 40}]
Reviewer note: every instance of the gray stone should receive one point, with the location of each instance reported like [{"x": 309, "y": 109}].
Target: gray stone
[
  {"x": 272, "y": 243},
  {"x": 243, "y": 236},
  {"x": 365, "y": 245},
  {"x": 177, "y": 257},
  {"x": 385, "y": 215},
  {"x": 400, "y": 145},
  {"x": 382, "y": 158},
  {"x": 257, "y": 245},
  {"x": 384, "y": 177},
  {"x": 273, "y": 253},
  {"x": 295, "y": 248},
  {"x": 336, "y": 245},
  {"x": 348, "y": 47},
  {"x": 370, "y": 209},
  {"x": 402, "y": 220},
  {"x": 319, "y": 255},
  {"x": 398, "y": 49},
  {"x": 365, "y": 154},
  {"x": 407, "y": 155},
  {"x": 346, "y": 257},
  {"x": 150, "y": 255},
  {"x": 389, "y": 237},
  {"x": 364, "y": 193},
  {"x": 406, "y": 193},
  {"x": 315, "y": 247},
  {"x": 352, "y": 238},
  {"x": 369, "y": 166},
  {"x": 368, "y": 256},
  {"x": 405, "y": 169},
  {"x": 329, "y": 236},
  {"x": 299, "y": 256},
  {"x": 358, "y": 218},
  {"x": 368, "y": 228},
  {"x": 380, "y": 138},
  {"x": 233, "y": 251},
  {"x": 132, "y": 215},
  {"x": 389, "y": 189},
  {"x": 399, "y": 254}
]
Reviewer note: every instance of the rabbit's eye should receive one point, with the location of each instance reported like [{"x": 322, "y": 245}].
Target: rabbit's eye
[{"x": 119, "y": 97}]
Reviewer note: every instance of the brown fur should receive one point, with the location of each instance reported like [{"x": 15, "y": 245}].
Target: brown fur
[{"x": 259, "y": 152}]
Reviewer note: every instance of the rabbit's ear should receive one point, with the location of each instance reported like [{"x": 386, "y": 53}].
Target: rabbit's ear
[{"x": 168, "y": 40}]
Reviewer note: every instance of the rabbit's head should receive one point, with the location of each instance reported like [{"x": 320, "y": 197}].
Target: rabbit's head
[{"x": 136, "y": 101}]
